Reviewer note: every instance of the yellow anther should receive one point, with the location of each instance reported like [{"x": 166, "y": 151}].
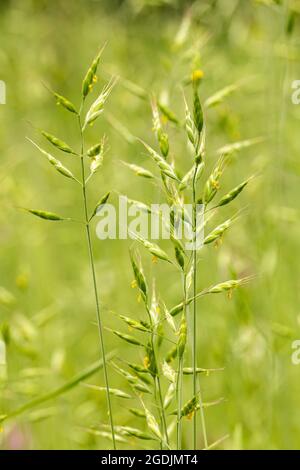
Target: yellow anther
[
  {"x": 197, "y": 75},
  {"x": 146, "y": 362}
]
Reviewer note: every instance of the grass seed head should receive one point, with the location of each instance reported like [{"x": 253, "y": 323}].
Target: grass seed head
[
  {"x": 139, "y": 170},
  {"x": 60, "y": 144},
  {"x": 198, "y": 113},
  {"x": 65, "y": 103},
  {"x": 190, "y": 407},
  {"x": 152, "y": 424},
  {"x": 97, "y": 107},
  {"x": 45, "y": 215},
  {"x": 134, "y": 324},
  {"x": 218, "y": 232},
  {"x": 172, "y": 354},
  {"x": 128, "y": 338},
  {"x": 139, "y": 277},
  {"x": 233, "y": 193},
  {"x": 212, "y": 185},
  {"x": 170, "y": 394},
  {"x": 182, "y": 337},
  {"x": 100, "y": 204},
  {"x": 89, "y": 78}
]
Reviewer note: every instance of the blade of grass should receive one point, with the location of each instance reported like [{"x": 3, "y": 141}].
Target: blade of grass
[{"x": 80, "y": 377}]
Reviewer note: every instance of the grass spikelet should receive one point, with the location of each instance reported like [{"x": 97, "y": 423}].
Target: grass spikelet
[
  {"x": 137, "y": 368},
  {"x": 65, "y": 103},
  {"x": 169, "y": 372},
  {"x": 150, "y": 359},
  {"x": 135, "y": 383},
  {"x": 58, "y": 143},
  {"x": 218, "y": 232},
  {"x": 107, "y": 435},
  {"x": 45, "y": 215},
  {"x": 237, "y": 146},
  {"x": 188, "y": 177},
  {"x": 152, "y": 424},
  {"x": 190, "y": 126},
  {"x": 170, "y": 395},
  {"x": 139, "y": 277},
  {"x": 139, "y": 170},
  {"x": 97, "y": 107},
  {"x": 100, "y": 204},
  {"x": 168, "y": 113},
  {"x": 198, "y": 113},
  {"x": 140, "y": 205},
  {"x": 90, "y": 76},
  {"x": 97, "y": 158},
  {"x": 56, "y": 163},
  {"x": 189, "y": 408},
  {"x": 233, "y": 193},
  {"x": 137, "y": 412},
  {"x": 128, "y": 338},
  {"x": 172, "y": 354},
  {"x": 179, "y": 254},
  {"x": 113, "y": 391},
  {"x": 199, "y": 370},
  {"x": 164, "y": 166},
  {"x": 218, "y": 97},
  {"x": 162, "y": 137},
  {"x": 169, "y": 318},
  {"x": 212, "y": 185},
  {"x": 134, "y": 324},
  {"x": 153, "y": 248},
  {"x": 227, "y": 286},
  {"x": 182, "y": 337},
  {"x": 210, "y": 403},
  {"x": 134, "y": 432}
]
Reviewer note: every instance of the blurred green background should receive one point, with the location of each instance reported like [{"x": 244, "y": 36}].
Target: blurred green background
[{"x": 47, "y": 314}]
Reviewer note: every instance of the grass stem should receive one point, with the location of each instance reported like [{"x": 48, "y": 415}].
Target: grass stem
[
  {"x": 157, "y": 384},
  {"x": 92, "y": 264},
  {"x": 194, "y": 323}
]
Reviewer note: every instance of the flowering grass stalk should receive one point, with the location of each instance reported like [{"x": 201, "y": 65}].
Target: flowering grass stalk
[
  {"x": 95, "y": 156},
  {"x": 177, "y": 190}
]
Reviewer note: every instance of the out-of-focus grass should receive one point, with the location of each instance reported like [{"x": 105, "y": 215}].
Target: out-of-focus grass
[{"x": 50, "y": 316}]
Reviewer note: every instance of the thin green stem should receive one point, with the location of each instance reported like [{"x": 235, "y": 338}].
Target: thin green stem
[
  {"x": 194, "y": 340},
  {"x": 179, "y": 381},
  {"x": 156, "y": 379},
  {"x": 92, "y": 263},
  {"x": 163, "y": 415},
  {"x": 179, "y": 404}
]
